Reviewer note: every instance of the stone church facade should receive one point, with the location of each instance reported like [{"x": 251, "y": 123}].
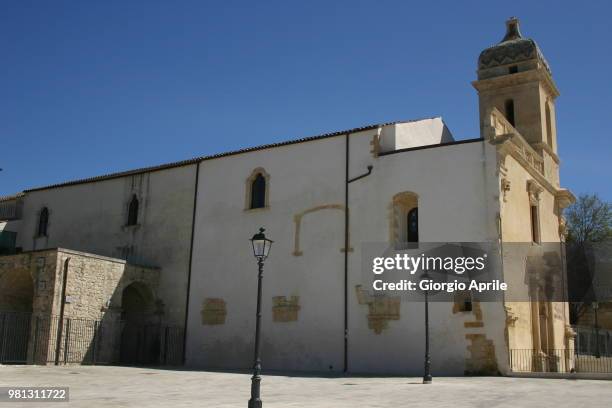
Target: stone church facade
[{"x": 187, "y": 224}]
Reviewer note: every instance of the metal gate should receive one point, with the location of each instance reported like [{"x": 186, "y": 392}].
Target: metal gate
[
  {"x": 14, "y": 337},
  {"x": 50, "y": 340}
]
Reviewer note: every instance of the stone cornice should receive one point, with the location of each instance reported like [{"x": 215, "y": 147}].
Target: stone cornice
[
  {"x": 520, "y": 78},
  {"x": 564, "y": 198}
]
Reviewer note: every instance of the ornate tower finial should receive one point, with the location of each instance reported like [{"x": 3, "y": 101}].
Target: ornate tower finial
[{"x": 512, "y": 30}]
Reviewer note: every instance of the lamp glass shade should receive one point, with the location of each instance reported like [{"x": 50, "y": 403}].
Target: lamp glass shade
[{"x": 261, "y": 245}]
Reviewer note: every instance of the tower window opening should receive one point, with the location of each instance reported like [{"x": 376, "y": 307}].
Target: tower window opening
[
  {"x": 549, "y": 136},
  {"x": 509, "y": 107},
  {"x": 535, "y": 225}
]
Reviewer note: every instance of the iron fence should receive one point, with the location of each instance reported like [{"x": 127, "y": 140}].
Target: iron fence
[
  {"x": 14, "y": 329},
  {"x": 559, "y": 361},
  {"x": 25, "y": 338}
]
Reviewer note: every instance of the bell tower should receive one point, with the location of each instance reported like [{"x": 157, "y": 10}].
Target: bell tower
[{"x": 514, "y": 77}]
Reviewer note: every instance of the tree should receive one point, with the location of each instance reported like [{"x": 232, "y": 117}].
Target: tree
[{"x": 589, "y": 219}]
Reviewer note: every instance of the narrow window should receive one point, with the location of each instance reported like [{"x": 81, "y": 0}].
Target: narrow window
[
  {"x": 549, "y": 136},
  {"x": 133, "y": 211},
  {"x": 467, "y": 305},
  {"x": 509, "y": 105},
  {"x": 258, "y": 192},
  {"x": 413, "y": 225},
  {"x": 463, "y": 301},
  {"x": 513, "y": 69},
  {"x": 535, "y": 225},
  {"x": 43, "y": 222}
]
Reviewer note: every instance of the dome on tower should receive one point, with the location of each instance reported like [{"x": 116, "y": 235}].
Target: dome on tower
[{"x": 512, "y": 49}]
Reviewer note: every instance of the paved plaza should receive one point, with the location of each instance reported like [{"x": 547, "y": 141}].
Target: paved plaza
[{"x": 105, "y": 386}]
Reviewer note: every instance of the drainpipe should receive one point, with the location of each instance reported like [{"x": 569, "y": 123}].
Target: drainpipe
[
  {"x": 193, "y": 221},
  {"x": 60, "y": 323},
  {"x": 347, "y": 181}
]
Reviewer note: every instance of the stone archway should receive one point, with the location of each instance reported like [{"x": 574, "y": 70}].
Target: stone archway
[
  {"x": 140, "y": 335},
  {"x": 137, "y": 301},
  {"x": 16, "y": 291}
]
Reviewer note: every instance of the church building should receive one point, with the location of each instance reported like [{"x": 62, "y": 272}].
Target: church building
[{"x": 172, "y": 241}]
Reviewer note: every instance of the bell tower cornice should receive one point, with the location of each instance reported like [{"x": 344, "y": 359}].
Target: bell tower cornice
[{"x": 540, "y": 75}]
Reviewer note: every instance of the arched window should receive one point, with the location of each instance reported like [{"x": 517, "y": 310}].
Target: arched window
[
  {"x": 258, "y": 191},
  {"x": 43, "y": 222},
  {"x": 404, "y": 220},
  {"x": 413, "y": 225},
  {"x": 509, "y": 107},
  {"x": 549, "y": 135},
  {"x": 133, "y": 211}
]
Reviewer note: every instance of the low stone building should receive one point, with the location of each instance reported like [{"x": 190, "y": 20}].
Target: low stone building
[{"x": 97, "y": 304}]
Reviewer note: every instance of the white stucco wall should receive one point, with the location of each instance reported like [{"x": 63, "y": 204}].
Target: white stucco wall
[
  {"x": 302, "y": 176},
  {"x": 457, "y": 196},
  {"x": 91, "y": 217},
  {"x": 421, "y": 132}
]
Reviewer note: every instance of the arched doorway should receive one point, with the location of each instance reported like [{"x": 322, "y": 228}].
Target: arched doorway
[{"x": 140, "y": 333}]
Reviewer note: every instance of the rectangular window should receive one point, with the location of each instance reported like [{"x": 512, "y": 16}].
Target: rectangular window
[
  {"x": 535, "y": 224},
  {"x": 513, "y": 69}
]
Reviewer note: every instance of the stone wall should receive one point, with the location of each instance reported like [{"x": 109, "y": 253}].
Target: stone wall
[
  {"x": 32, "y": 282},
  {"x": 95, "y": 283}
]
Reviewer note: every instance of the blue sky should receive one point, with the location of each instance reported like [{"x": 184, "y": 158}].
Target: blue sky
[{"x": 91, "y": 87}]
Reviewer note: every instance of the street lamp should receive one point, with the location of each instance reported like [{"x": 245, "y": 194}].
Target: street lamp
[
  {"x": 595, "y": 306},
  {"x": 261, "y": 249},
  {"x": 427, "y": 378}
]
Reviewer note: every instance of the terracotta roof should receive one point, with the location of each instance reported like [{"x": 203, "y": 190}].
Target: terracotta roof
[{"x": 215, "y": 156}]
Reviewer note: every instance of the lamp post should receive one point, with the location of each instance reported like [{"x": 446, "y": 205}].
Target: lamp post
[
  {"x": 261, "y": 249},
  {"x": 427, "y": 378},
  {"x": 595, "y": 306}
]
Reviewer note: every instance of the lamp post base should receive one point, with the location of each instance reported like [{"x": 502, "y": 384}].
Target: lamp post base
[
  {"x": 255, "y": 403},
  {"x": 427, "y": 379}
]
